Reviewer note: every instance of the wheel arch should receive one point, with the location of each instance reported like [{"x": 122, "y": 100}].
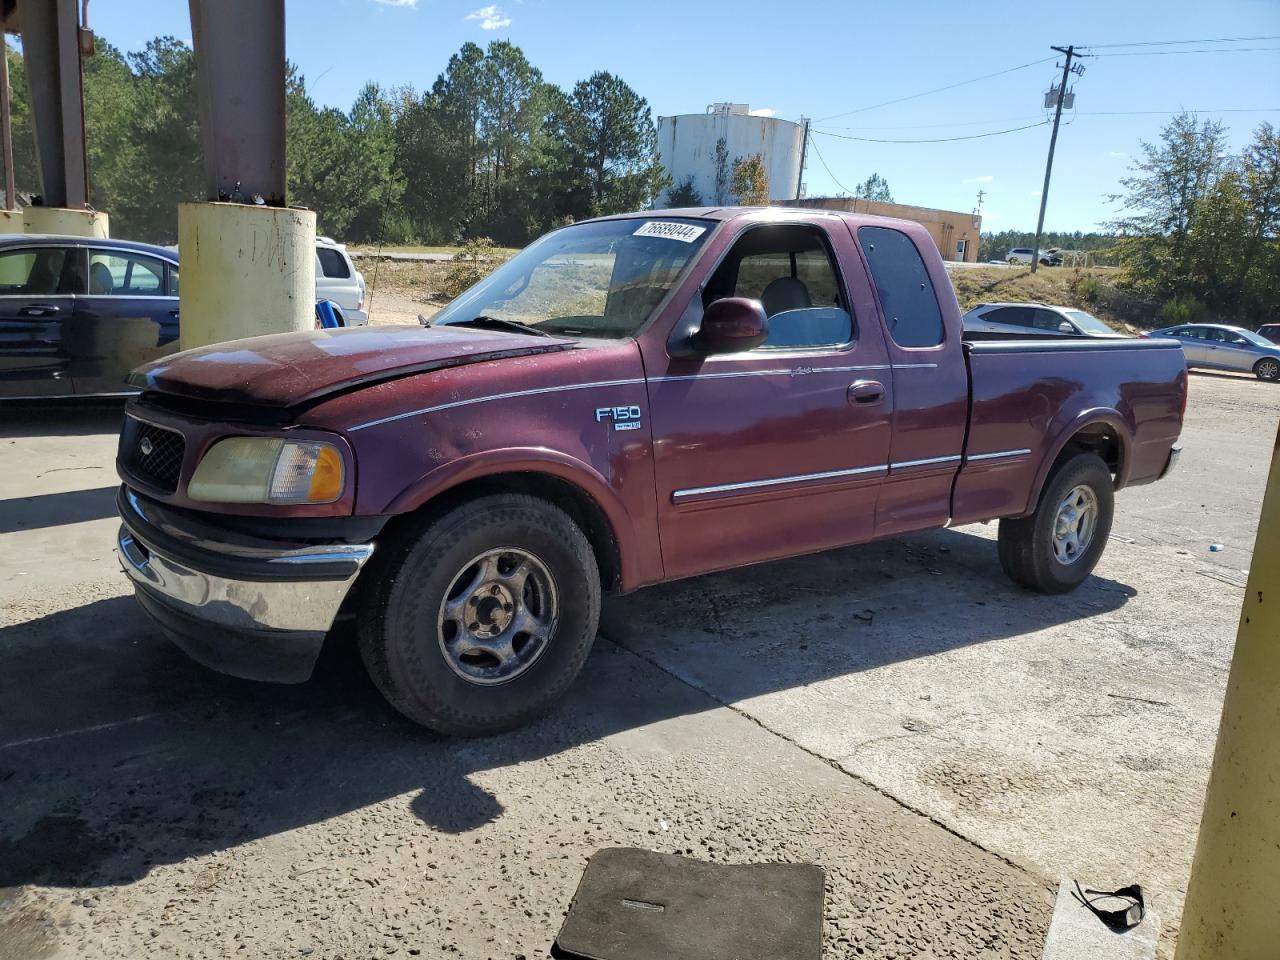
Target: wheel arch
[
  {"x": 1103, "y": 432},
  {"x": 567, "y": 483}
]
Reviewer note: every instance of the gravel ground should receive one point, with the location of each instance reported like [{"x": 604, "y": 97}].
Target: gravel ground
[{"x": 946, "y": 747}]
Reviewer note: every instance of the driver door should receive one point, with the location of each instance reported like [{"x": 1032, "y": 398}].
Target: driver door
[{"x": 780, "y": 450}]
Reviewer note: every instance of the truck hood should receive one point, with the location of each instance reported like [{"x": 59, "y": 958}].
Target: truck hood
[{"x": 296, "y": 369}]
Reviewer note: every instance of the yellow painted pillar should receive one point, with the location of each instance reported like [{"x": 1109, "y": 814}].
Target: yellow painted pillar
[
  {"x": 246, "y": 270},
  {"x": 11, "y": 222},
  {"x": 66, "y": 222},
  {"x": 1233, "y": 901}
]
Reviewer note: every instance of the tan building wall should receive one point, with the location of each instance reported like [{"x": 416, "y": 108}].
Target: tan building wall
[{"x": 956, "y": 234}]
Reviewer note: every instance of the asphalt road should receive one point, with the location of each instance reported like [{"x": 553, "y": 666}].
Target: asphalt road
[{"x": 944, "y": 744}]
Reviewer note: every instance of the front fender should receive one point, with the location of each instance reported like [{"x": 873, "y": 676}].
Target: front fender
[
  {"x": 541, "y": 460},
  {"x": 1062, "y": 431}
]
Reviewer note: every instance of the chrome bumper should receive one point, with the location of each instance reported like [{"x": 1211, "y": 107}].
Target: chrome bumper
[{"x": 244, "y": 609}]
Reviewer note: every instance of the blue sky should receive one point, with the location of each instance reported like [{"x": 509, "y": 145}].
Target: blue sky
[{"x": 822, "y": 58}]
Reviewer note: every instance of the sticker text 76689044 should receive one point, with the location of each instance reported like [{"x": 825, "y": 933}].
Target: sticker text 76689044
[{"x": 684, "y": 232}]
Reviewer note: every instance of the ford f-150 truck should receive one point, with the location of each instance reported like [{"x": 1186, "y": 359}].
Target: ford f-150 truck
[{"x": 628, "y": 400}]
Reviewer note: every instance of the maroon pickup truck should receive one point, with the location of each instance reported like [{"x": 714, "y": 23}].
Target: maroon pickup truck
[{"x": 628, "y": 400}]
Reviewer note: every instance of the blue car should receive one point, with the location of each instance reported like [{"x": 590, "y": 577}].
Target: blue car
[
  {"x": 77, "y": 313},
  {"x": 1216, "y": 346}
]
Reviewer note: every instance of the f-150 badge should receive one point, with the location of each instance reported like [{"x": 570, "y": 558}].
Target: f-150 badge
[{"x": 624, "y": 418}]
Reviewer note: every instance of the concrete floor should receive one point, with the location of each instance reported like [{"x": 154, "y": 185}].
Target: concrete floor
[{"x": 946, "y": 746}]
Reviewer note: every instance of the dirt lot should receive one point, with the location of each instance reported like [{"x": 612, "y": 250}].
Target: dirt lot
[{"x": 945, "y": 745}]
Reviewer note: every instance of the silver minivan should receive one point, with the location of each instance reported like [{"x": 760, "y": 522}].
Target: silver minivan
[{"x": 337, "y": 279}]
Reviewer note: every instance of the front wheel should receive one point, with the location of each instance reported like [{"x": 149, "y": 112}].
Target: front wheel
[
  {"x": 1268, "y": 369},
  {"x": 481, "y": 620},
  {"x": 1056, "y": 548}
]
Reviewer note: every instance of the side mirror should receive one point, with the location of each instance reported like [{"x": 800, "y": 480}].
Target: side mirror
[
  {"x": 1066, "y": 327},
  {"x": 732, "y": 325}
]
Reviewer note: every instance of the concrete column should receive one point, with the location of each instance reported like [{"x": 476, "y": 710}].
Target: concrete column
[
  {"x": 248, "y": 265},
  {"x": 246, "y": 270},
  {"x": 1233, "y": 900},
  {"x": 51, "y": 53},
  {"x": 60, "y": 220}
]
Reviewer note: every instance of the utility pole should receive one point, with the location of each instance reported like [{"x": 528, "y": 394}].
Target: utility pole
[
  {"x": 1069, "y": 52},
  {"x": 804, "y": 150}
]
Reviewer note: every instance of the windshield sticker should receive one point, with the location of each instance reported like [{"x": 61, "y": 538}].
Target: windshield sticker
[{"x": 684, "y": 232}]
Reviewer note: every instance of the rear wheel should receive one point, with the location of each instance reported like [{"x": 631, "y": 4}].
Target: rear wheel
[
  {"x": 1056, "y": 548},
  {"x": 1268, "y": 369},
  {"x": 481, "y": 620}
]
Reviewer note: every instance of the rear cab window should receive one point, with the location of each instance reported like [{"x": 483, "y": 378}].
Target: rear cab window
[
  {"x": 332, "y": 263},
  {"x": 907, "y": 298}
]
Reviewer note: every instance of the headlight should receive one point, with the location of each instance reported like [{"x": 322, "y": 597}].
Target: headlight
[{"x": 268, "y": 470}]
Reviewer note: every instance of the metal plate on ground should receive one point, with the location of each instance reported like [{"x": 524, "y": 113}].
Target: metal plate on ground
[{"x": 639, "y": 905}]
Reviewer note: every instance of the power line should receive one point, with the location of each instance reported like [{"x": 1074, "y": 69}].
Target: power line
[
  {"x": 1174, "y": 43},
  {"x": 818, "y": 152},
  {"x": 1074, "y": 113},
  {"x": 1176, "y": 53},
  {"x": 950, "y": 86},
  {"x": 972, "y": 136}
]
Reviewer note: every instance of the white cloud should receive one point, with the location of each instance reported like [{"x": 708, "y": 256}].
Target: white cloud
[
  {"x": 1034, "y": 193},
  {"x": 490, "y": 17},
  {"x": 985, "y": 178},
  {"x": 410, "y": 4},
  {"x": 763, "y": 112},
  {"x": 1118, "y": 154}
]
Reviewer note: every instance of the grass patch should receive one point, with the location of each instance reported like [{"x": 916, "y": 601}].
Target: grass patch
[
  {"x": 412, "y": 248},
  {"x": 1093, "y": 289}
]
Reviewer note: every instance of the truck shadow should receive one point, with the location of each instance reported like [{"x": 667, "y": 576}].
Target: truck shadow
[{"x": 117, "y": 753}]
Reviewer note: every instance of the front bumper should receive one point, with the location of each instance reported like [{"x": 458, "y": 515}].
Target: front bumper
[{"x": 244, "y": 606}]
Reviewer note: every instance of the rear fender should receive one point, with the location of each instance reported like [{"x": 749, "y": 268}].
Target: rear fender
[{"x": 1062, "y": 433}]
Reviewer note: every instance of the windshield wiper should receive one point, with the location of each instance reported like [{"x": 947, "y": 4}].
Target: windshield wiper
[{"x": 498, "y": 323}]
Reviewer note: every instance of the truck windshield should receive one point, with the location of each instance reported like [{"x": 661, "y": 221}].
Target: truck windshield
[{"x": 600, "y": 279}]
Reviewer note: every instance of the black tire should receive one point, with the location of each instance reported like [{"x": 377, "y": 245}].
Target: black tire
[
  {"x": 1267, "y": 369},
  {"x": 400, "y": 630},
  {"x": 1026, "y": 544}
]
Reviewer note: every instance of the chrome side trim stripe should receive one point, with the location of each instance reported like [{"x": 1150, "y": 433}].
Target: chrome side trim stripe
[
  {"x": 774, "y": 481},
  {"x": 921, "y": 463},
  {"x": 776, "y": 372},
  {"x": 497, "y": 396},
  {"x": 998, "y": 455}
]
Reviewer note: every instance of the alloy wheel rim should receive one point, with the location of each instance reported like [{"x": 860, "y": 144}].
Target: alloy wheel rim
[
  {"x": 498, "y": 616},
  {"x": 1075, "y": 524},
  {"x": 1269, "y": 369}
]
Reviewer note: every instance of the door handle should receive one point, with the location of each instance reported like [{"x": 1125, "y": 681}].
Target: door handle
[
  {"x": 866, "y": 392},
  {"x": 38, "y": 310},
  {"x": 174, "y": 314}
]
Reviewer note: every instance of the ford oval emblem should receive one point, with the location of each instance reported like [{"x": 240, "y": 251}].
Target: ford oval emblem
[{"x": 146, "y": 446}]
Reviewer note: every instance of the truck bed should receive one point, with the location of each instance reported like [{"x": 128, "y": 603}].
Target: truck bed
[{"x": 1029, "y": 395}]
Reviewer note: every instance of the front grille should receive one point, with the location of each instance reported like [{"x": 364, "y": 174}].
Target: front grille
[{"x": 154, "y": 454}]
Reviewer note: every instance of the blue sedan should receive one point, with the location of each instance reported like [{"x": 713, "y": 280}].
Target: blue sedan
[{"x": 1213, "y": 346}]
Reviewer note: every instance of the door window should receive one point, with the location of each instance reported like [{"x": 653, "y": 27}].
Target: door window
[
  {"x": 37, "y": 272},
  {"x": 1046, "y": 320},
  {"x": 902, "y": 281},
  {"x": 125, "y": 275},
  {"x": 332, "y": 263},
  {"x": 791, "y": 271},
  {"x": 1012, "y": 316}
]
